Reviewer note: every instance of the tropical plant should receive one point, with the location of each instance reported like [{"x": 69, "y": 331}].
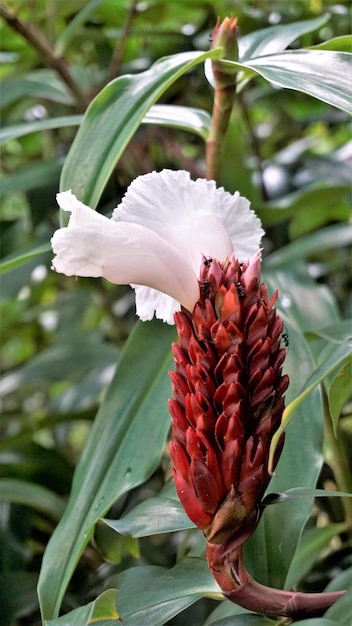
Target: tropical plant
[{"x": 88, "y": 503}]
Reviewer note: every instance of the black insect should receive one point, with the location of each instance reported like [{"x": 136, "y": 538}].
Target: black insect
[
  {"x": 240, "y": 290},
  {"x": 205, "y": 286},
  {"x": 285, "y": 339},
  {"x": 207, "y": 261}
]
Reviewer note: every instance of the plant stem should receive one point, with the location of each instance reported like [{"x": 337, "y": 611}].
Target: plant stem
[
  {"x": 238, "y": 586},
  {"x": 118, "y": 52},
  {"x": 37, "y": 40},
  {"x": 223, "y": 101}
]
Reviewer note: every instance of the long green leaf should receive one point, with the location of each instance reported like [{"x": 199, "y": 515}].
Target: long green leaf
[
  {"x": 70, "y": 32},
  {"x": 41, "y": 83},
  {"x": 151, "y": 517},
  {"x": 336, "y": 360},
  {"x": 279, "y": 530},
  {"x": 111, "y": 120},
  {"x": 300, "y": 492},
  {"x": 327, "y": 238},
  {"x": 162, "y": 593},
  {"x": 9, "y": 264},
  {"x": 18, "y": 130},
  {"x": 275, "y": 38},
  {"x": 33, "y": 495},
  {"x": 323, "y": 74},
  {"x": 123, "y": 449},
  {"x": 148, "y": 595},
  {"x": 313, "y": 541},
  {"x": 183, "y": 118},
  {"x": 340, "y": 612}
]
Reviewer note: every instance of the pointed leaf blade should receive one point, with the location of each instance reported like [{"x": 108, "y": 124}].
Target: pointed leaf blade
[
  {"x": 133, "y": 417},
  {"x": 114, "y": 116},
  {"x": 323, "y": 74}
]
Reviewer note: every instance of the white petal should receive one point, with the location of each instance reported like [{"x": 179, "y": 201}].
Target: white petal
[
  {"x": 176, "y": 207},
  {"x": 150, "y": 302},
  {"x": 93, "y": 245}
]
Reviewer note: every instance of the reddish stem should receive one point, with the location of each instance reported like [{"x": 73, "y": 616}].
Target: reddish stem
[{"x": 238, "y": 586}]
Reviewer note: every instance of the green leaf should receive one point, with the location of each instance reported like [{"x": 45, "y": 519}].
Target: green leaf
[
  {"x": 309, "y": 209},
  {"x": 162, "y": 593},
  {"x": 9, "y": 264},
  {"x": 280, "y": 527},
  {"x": 101, "y": 611},
  {"x": 151, "y": 517},
  {"x": 70, "y": 32},
  {"x": 123, "y": 448},
  {"x": 33, "y": 495},
  {"x": 114, "y": 116},
  {"x": 18, "y": 130},
  {"x": 302, "y": 302},
  {"x": 313, "y": 542},
  {"x": 340, "y": 612},
  {"x": 339, "y": 44},
  {"x": 31, "y": 176},
  {"x": 339, "y": 391},
  {"x": 337, "y": 333},
  {"x": 112, "y": 546},
  {"x": 341, "y": 581},
  {"x": 300, "y": 492},
  {"x": 325, "y": 239},
  {"x": 183, "y": 118},
  {"x": 323, "y": 74},
  {"x": 41, "y": 83},
  {"x": 78, "y": 617},
  {"x": 104, "y": 607},
  {"x": 275, "y": 38},
  {"x": 244, "y": 620},
  {"x": 338, "y": 358}
]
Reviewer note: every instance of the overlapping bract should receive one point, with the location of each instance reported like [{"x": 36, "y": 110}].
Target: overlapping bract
[{"x": 228, "y": 399}]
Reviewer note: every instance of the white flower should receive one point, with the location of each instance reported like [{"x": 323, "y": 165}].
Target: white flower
[{"x": 156, "y": 238}]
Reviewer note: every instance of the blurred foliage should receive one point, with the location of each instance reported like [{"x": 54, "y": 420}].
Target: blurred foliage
[{"x": 290, "y": 154}]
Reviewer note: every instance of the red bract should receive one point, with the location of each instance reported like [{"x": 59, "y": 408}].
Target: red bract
[{"x": 228, "y": 399}]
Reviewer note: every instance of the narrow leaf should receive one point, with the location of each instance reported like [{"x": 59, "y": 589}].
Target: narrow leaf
[
  {"x": 114, "y": 116},
  {"x": 33, "y": 495},
  {"x": 275, "y": 38},
  {"x": 123, "y": 449},
  {"x": 9, "y": 264},
  {"x": 331, "y": 237},
  {"x": 313, "y": 541},
  {"x": 151, "y": 517},
  {"x": 280, "y": 527},
  {"x": 162, "y": 593},
  {"x": 340, "y": 612},
  {"x": 183, "y": 118},
  {"x": 18, "y": 130},
  {"x": 338, "y": 44},
  {"x": 323, "y": 74},
  {"x": 300, "y": 492},
  {"x": 339, "y": 391},
  {"x": 70, "y": 32},
  {"x": 337, "y": 359}
]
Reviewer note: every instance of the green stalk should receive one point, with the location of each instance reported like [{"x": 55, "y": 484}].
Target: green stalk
[
  {"x": 223, "y": 102},
  {"x": 225, "y": 36}
]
